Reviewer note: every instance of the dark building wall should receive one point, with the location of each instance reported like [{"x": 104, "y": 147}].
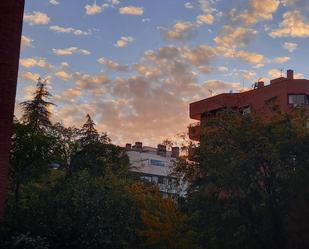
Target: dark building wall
[{"x": 11, "y": 16}]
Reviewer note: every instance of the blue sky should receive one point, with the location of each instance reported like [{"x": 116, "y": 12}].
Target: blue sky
[{"x": 136, "y": 65}]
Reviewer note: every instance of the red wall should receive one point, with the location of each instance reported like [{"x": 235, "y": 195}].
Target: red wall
[
  {"x": 255, "y": 98},
  {"x": 11, "y": 16}
]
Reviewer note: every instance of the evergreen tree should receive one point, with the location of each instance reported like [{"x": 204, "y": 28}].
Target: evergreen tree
[
  {"x": 90, "y": 135},
  {"x": 36, "y": 113}
]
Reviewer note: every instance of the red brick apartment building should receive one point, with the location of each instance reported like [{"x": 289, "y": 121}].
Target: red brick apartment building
[
  {"x": 11, "y": 17},
  {"x": 287, "y": 93}
]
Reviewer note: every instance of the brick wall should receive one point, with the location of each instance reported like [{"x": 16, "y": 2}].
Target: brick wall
[{"x": 11, "y": 16}]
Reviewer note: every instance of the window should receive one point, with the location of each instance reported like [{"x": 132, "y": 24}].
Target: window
[
  {"x": 157, "y": 163},
  {"x": 246, "y": 110},
  {"x": 298, "y": 99},
  {"x": 160, "y": 179}
]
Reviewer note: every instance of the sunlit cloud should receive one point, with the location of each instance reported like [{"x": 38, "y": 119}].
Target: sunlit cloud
[
  {"x": 37, "y": 18},
  {"x": 93, "y": 9},
  {"x": 63, "y": 75},
  {"x": 112, "y": 65},
  {"x": 70, "y": 51},
  {"x": 131, "y": 10},
  {"x": 26, "y": 42},
  {"x": 124, "y": 41},
  {"x": 77, "y": 32},
  {"x": 35, "y": 62},
  {"x": 180, "y": 31},
  {"x": 293, "y": 25}
]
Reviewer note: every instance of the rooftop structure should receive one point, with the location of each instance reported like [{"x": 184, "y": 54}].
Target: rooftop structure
[
  {"x": 285, "y": 92},
  {"x": 155, "y": 165}
]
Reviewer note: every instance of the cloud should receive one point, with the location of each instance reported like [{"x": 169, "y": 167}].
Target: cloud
[
  {"x": 220, "y": 86},
  {"x": 29, "y": 76},
  {"x": 36, "y": 18},
  {"x": 54, "y": 2},
  {"x": 123, "y": 41},
  {"x": 259, "y": 10},
  {"x": 35, "y": 62},
  {"x": 26, "y": 42},
  {"x": 274, "y": 73},
  {"x": 63, "y": 75},
  {"x": 112, "y": 65},
  {"x": 205, "y": 6},
  {"x": 234, "y": 37},
  {"x": 93, "y": 9},
  {"x": 70, "y": 51},
  {"x": 152, "y": 102},
  {"x": 180, "y": 31},
  {"x": 223, "y": 69},
  {"x": 131, "y": 10},
  {"x": 290, "y": 46},
  {"x": 204, "y": 19},
  {"x": 293, "y": 25},
  {"x": 281, "y": 59},
  {"x": 87, "y": 81},
  {"x": 189, "y": 5},
  {"x": 77, "y": 32}
]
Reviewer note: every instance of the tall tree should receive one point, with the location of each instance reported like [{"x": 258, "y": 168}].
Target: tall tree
[
  {"x": 90, "y": 135},
  {"x": 36, "y": 112},
  {"x": 251, "y": 173}
]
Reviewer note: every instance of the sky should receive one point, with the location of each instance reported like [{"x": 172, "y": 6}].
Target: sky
[{"x": 135, "y": 65}]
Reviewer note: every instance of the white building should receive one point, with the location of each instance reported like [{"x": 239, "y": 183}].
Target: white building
[{"x": 155, "y": 165}]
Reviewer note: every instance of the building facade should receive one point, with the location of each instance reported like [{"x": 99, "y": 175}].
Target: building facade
[
  {"x": 11, "y": 17},
  {"x": 155, "y": 165},
  {"x": 284, "y": 92}
]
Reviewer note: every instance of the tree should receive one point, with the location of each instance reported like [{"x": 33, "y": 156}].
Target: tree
[
  {"x": 251, "y": 172},
  {"x": 101, "y": 158},
  {"x": 161, "y": 223},
  {"x": 77, "y": 211},
  {"x": 36, "y": 113},
  {"x": 66, "y": 143},
  {"x": 90, "y": 135},
  {"x": 31, "y": 154}
]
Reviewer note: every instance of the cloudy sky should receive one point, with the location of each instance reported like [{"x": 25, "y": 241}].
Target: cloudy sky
[{"x": 135, "y": 65}]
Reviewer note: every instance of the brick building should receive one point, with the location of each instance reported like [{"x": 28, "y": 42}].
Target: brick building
[
  {"x": 11, "y": 16},
  {"x": 285, "y": 92}
]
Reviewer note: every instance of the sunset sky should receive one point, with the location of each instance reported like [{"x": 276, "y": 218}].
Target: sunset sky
[{"x": 136, "y": 65}]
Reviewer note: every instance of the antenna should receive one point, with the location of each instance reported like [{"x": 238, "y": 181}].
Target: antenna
[
  {"x": 281, "y": 71},
  {"x": 210, "y": 91}
]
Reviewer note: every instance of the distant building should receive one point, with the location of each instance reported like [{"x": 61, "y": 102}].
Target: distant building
[
  {"x": 284, "y": 92},
  {"x": 155, "y": 165}
]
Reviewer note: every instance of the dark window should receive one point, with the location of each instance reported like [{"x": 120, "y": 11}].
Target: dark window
[
  {"x": 160, "y": 180},
  {"x": 298, "y": 99},
  {"x": 157, "y": 162}
]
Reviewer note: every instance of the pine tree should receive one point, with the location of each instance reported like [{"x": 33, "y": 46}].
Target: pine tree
[
  {"x": 89, "y": 134},
  {"x": 36, "y": 113}
]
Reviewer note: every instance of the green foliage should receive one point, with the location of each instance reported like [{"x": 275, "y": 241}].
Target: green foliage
[
  {"x": 36, "y": 113},
  {"x": 89, "y": 135},
  {"x": 31, "y": 154},
  {"x": 251, "y": 172},
  {"x": 79, "y": 211},
  {"x": 101, "y": 158}
]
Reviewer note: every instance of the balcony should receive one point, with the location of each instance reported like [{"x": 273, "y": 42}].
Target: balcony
[{"x": 195, "y": 131}]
